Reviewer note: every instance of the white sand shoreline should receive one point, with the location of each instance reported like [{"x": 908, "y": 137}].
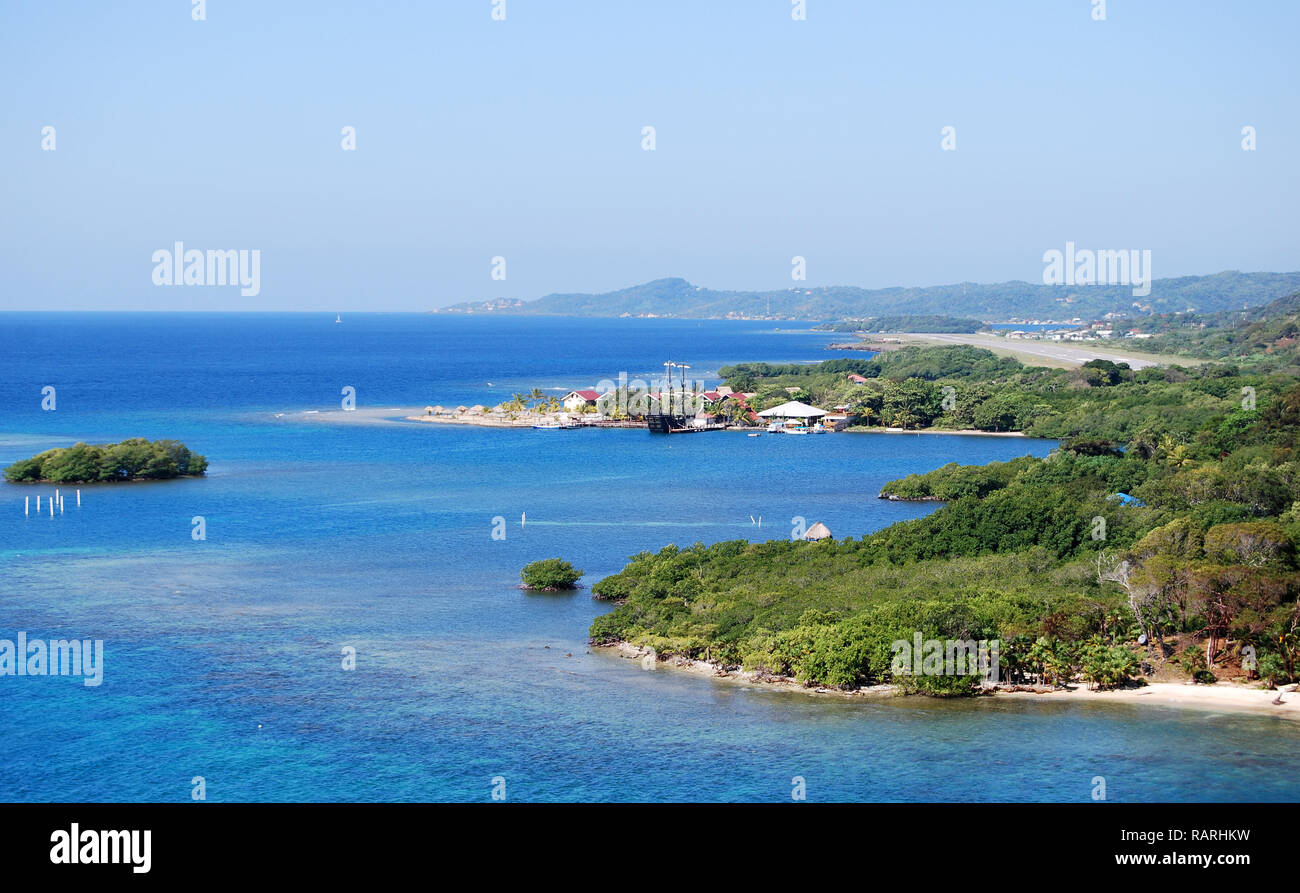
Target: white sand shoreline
[{"x": 1221, "y": 697}]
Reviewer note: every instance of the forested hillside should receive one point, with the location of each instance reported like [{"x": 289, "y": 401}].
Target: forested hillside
[
  {"x": 997, "y": 301},
  {"x": 1159, "y": 541}
]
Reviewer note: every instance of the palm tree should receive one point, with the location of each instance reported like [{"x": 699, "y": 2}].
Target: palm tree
[
  {"x": 905, "y": 418},
  {"x": 737, "y": 413},
  {"x": 516, "y": 404},
  {"x": 1176, "y": 455}
]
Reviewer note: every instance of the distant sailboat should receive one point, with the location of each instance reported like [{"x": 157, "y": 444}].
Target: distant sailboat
[{"x": 339, "y": 318}]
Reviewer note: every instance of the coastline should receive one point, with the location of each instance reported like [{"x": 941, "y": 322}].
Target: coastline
[
  {"x": 411, "y": 414},
  {"x": 969, "y": 432},
  {"x": 491, "y": 421},
  {"x": 1220, "y": 697}
]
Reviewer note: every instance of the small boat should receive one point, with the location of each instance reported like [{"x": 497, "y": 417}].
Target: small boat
[
  {"x": 796, "y": 430},
  {"x": 550, "y": 427},
  {"x": 755, "y": 434}
]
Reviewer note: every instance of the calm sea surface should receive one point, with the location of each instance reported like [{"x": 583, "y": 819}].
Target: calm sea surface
[{"x": 222, "y": 657}]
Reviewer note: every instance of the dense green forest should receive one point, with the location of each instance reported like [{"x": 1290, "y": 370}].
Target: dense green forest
[
  {"x": 134, "y": 459},
  {"x": 905, "y": 323},
  {"x": 676, "y": 297},
  {"x": 1159, "y": 540}
]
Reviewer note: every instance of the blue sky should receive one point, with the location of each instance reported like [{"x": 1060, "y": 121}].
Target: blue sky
[{"x": 522, "y": 138}]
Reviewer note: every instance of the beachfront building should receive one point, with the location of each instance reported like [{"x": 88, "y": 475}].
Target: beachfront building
[
  {"x": 575, "y": 401},
  {"x": 793, "y": 412}
]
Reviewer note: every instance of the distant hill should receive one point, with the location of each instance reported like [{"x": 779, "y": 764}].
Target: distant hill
[{"x": 1005, "y": 301}]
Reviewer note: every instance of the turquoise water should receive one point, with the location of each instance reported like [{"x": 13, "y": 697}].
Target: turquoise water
[{"x": 223, "y": 657}]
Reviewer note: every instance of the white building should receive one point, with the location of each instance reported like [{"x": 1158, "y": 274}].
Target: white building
[
  {"x": 794, "y": 411},
  {"x": 574, "y": 401}
]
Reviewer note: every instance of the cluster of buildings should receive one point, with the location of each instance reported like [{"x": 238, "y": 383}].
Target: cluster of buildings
[
  {"x": 704, "y": 401},
  {"x": 1095, "y": 332},
  {"x": 707, "y": 406}
]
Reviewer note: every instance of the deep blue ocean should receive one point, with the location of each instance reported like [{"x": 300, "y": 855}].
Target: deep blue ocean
[{"x": 222, "y": 658}]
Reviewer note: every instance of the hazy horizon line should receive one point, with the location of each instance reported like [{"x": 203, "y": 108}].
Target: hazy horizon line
[{"x": 803, "y": 287}]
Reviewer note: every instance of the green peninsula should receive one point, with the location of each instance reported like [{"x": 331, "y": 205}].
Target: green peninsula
[{"x": 1158, "y": 542}]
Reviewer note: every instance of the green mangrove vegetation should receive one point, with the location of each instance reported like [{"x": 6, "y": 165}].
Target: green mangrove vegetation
[
  {"x": 136, "y": 459},
  {"x": 549, "y": 575}
]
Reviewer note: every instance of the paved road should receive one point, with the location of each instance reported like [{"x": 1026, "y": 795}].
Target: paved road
[{"x": 1074, "y": 354}]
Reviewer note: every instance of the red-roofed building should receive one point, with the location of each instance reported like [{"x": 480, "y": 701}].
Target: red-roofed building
[
  {"x": 574, "y": 401},
  {"x": 857, "y": 379}
]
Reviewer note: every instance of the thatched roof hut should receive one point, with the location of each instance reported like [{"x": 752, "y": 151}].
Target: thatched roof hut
[
  {"x": 818, "y": 531},
  {"x": 462, "y": 409}
]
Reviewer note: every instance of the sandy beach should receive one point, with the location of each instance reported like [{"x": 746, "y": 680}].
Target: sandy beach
[
  {"x": 1223, "y": 696},
  {"x": 493, "y": 420}
]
